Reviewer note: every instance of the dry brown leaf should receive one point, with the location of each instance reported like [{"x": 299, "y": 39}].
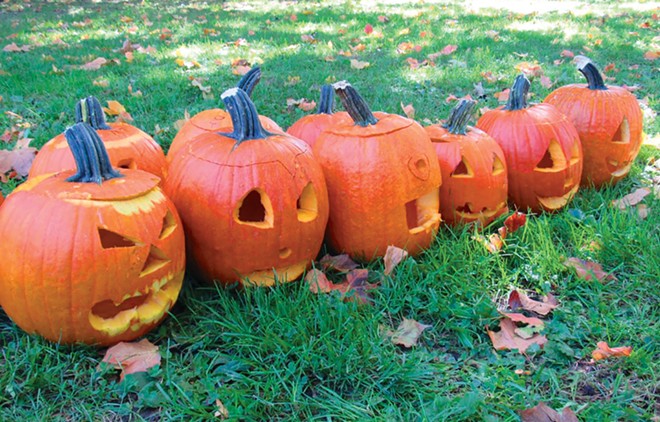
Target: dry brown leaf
[
  {"x": 492, "y": 243},
  {"x": 409, "y": 110},
  {"x": 103, "y": 83},
  {"x": 393, "y": 257},
  {"x": 502, "y": 96},
  {"x": 516, "y": 317},
  {"x": 545, "y": 81},
  {"x": 222, "y": 411},
  {"x": 95, "y": 64},
  {"x": 114, "y": 108},
  {"x": 407, "y": 333},
  {"x": 652, "y": 55},
  {"x": 354, "y": 287},
  {"x": 588, "y": 270},
  {"x": 241, "y": 70},
  {"x": 567, "y": 53},
  {"x": 448, "y": 49},
  {"x": 357, "y": 64},
  {"x": 604, "y": 351},
  {"x": 13, "y": 48},
  {"x": 132, "y": 357},
  {"x": 632, "y": 199},
  {"x": 543, "y": 413},
  {"x": 507, "y": 339},
  {"x": 529, "y": 69},
  {"x": 19, "y": 159},
  {"x": 642, "y": 211},
  {"x": 342, "y": 263},
  {"x": 318, "y": 282},
  {"x": 519, "y": 300}
]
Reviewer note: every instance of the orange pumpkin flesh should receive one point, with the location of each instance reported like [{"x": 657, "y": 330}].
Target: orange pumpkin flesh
[
  {"x": 608, "y": 120},
  {"x": 310, "y": 127},
  {"x": 542, "y": 150},
  {"x": 383, "y": 181},
  {"x": 216, "y": 119},
  {"x": 254, "y": 204},
  {"x": 91, "y": 257},
  {"x": 474, "y": 177},
  {"x": 127, "y": 146}
]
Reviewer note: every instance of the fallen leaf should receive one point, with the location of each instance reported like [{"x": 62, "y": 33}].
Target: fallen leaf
[
  {"x": 241, "y": 70},
  {"x": 95, "y": 64},
  {"x": 383, "y": 19},
  {"x": 179, "y": 123},
  {"x": 604, "y": 351},
  {"x": 404, "y": 31},
  {"x": 492, "y": 243},
  {"x": 409, "y": 111},
  {"x": 356, "y": 64},
  {"x": 507, "y": 339},
  {"x": 519, "y": 300},
  {"x": 358, "y": 286},
  {"x": 502, "y": 96},
  {"x": 545, "y": 81},
  {"x": 642, "y": 211},
  {"x": 103, "y": 83},
  {"x": 114, "y": 108},
  {"x": 543, "y": 413},
  {"x": 393, "y": 257},
  {"x": 19, "y": 159},
  {"x": 517, "y": 317},
  {"x": 407, "y": 333},
  {"x": 13, "y": 48},
  {"x": 492, "y": 34},
  {"x": 222, "y": 411},
  {"x": 515, "y": 221},
  {"x": 132, "y": 357},
  {"x": 318, "y": 282},
  {"x": 307, "y": 38},
  {"x": 529, "y": 69},
  {"x": 368, "y": 29},
  {"x": 188, "y": 64},
  {"x": 489, "y": 77},
  {"x": 567, "y": 53},
  {"x": 610, "y": 67},
  {"x": 448, "y": 49},
  {"x": 652, "y": 55},
  {"x": 342, "y": 263},
  {"x": 588, "y": 270},
  {"x": 631, "y": 199}
]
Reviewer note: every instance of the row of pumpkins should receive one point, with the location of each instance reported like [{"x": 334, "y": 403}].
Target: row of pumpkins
[{"x": 96, "y": 254}]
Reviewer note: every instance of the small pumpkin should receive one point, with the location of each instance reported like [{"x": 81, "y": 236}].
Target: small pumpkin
[
  {"x": 474, "y": 176},
  {"x": 308, "y": 128},
  {"x": 127, "y": 146},
  {"x": 216, "y": 119},
  {"x": 254, "y": 204},
  {"x": 542, "y": 150},
  {"x": 608, "y": 120},
  {"x": 94, "y": 256},
  {"x": 383, "y": 179}
]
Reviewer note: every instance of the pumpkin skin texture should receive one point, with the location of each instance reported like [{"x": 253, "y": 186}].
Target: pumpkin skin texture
[
  {"x": 383, "y": 181},
  {"x": 127, "y": 146},
  {"x": 216, "y": 119},
  {"x": 95, "y": 260},
  {"x": 542, "y": 151},
  {"x": 474, "y": 177},
  {"x": 608, "y": 120},
  {"x": 254, "y": 204},
  {"x": 309, "y": 127}
]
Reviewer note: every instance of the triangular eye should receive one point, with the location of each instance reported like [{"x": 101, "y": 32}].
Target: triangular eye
[
  {"x": 498, "y": 165},
  {"x": 553, "y": 159},
  {"x": 307, "y": 205},
  {"x": 463, "y": 169},
  {"x": 155, "y": 261},
  {"x": 169, "y": 224},
  {"x": 575, "y": 153},
  {"x": 255, "y": 209},
  {"x": 622, "y": 134},
  {"x": 110, "y": 239}
]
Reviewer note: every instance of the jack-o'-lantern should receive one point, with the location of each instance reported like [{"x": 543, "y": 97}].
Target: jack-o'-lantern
[
  {"x": 127, "y": 146},
  {"x": 608, "y": 120},
  {"x": 542, "y": 150},
  {"x": 96, "y": 257},
  {"x": 474, "y": 176},
  {"x": 383, "y": 178},
  {"x": 309, "y": 128},
  {"x": 216, "y": 119},
  {"x": 254, "y": 204}
]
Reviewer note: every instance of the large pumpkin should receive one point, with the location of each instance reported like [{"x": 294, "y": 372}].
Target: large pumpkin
[
  {"x": 127, "y": 146},
  {"x": 608, "y": 120},
  {"x": 94, "y": 257},
  {"x": 383, "y": 181},
  {"x": 254, "y": 204},
  {"x": 542, "y": 150},
  {"x": 215, "y": 119},
  {"x": 474, "y": 176},
  {"x": 308, "y": 128}
]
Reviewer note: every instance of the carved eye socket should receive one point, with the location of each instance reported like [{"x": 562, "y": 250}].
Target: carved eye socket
[
  {"x": 553, "y": 159},
  {"x": 463, "y": 169},
  {"x": 307, "y": 205},
  {"x": 169, "y": 224},
  {"x": 622, "y": 134},
  {"x": 255, "y": 209},
  {"x": 110, "y": 239},
  {"x": 498, "y": 165},
  {"x": 127, "y": 163}
]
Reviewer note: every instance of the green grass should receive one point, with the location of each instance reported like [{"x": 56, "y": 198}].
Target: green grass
[{"x": 287, "y": 354}]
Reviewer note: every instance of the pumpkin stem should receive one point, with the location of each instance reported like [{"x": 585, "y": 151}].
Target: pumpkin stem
[
  {"x": 327, "y": 101},
  {"x": 244, "y": 117},
  {"x": 518, "y": 94},
  {"x": 250, "y": 80},
  {"x": 354, "y": 104},
  {"x": 459, "y": 116},
  {"x": 590, "y": 71},
  {"x": 92, "y": 161},
  {"x": 89, "y": 110}
]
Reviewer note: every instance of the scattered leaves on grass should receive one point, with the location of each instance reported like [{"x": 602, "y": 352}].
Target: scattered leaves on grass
[
  {"x": 115, "y": 108},
  {"x": 503, "y": 95},
  {"x": 519, "y": 300},
  {"x": 408, "y": 110},
  {"x": 13, "y": 48},
  {"x": 199, "y": 83},
  {"x": 354, "y": 287},
  {"x": 542, "y": 413},
  {"x": 448, "y": 49},
  {"x": 604, "y": 351},
  {"x": 97, "y": 63},
  {"x": 132, "y": 357},
  {"x": 240, "y": 67},
  {"x": 342, "y": 263},
  {"x": 407, "y": 333},
  {"x": 531, "y": 70},
  {"x": 567, "y": 53},
  {"x": 179, "y": 123},
  {"x": 357, "y": 64},
  {"x": 545, "y": 81},
  {"x": 632, "y": 199},
  {"x": 393, "y": 257},
  {"x": 652, "y": 55},
  {"x": 17, "y": 161},
  {"x": 512, "y": 223},
  {"x": 188, "y": 64},
  {"x": 301, "y": 103},
  {"x": 588, "y": 270},
  {"x": 492, "y": 243},
  {"x": 508, "y": 339}
]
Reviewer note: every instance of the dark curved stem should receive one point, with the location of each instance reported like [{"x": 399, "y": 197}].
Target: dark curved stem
[
  {"x": 327, "y": 101},
  {"x": 590, "y": 71},
  {"x": 244, "y": 117},
  {"x": 518, "y": 94},
  {"x": 89, "y": 110},
  {"x": 92, "y": 161},
  {"x": 250, "y": 80},
  {"x": 459, "y": 117},
  {"x": 354, "y": 104}
]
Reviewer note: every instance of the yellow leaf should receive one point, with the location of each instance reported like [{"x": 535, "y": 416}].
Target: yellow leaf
[
  {"x": 356, "y": 64},
  {"x": 114, "y": 108}
]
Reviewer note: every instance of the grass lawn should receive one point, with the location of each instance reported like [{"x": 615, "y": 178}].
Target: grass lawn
[{"x": 285, "y": 353}]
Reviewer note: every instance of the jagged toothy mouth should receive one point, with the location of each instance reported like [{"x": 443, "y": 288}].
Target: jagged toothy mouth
[
  {"x": 466, "y": 212},
  {"x": 615, "y": 170},
  {"x": 269, "y": 277},
  {"x": 556, "y": 202}
]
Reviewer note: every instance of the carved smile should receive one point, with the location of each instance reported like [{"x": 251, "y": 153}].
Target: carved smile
[
  {"x": 465, "y": 212},
  {"x": 268, "y": 277},
  {"x": 615, "y": 169},
  {"x": 422, "y": 213},
  {"x": 556, "y": 202}
]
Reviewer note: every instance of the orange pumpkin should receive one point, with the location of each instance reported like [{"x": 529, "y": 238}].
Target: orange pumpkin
[
  {"x": 127, "y": 146},
  {"x": 383, "y": 181},
  {"x": 94, "y": 257},
  {"x": 542, "y": 150},
  {"x": 216, "y": 119},
  {"x": 473, "y": 169},
  {"x": 309, "y": 127},
  {"x": 608, "y": 120},
  {"x": 254, "y": 204}
]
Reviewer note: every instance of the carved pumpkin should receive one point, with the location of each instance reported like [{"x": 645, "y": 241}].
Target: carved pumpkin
[
  {"x": 127, "y": 146},
  {"x": 94, "y": 257},
  {"x": 383, "y": 181},
  {"x": 474, "y": 177},
  {"x": 542, "y": 150},
  {"x": 310, "y": 127},
  {"x": 254, "y": 204},
  {"x": 608, "y": 120},
  {"x": 215, "y": 119}
]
